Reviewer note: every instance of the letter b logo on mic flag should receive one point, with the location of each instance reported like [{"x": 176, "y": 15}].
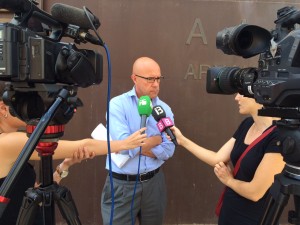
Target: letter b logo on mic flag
[
  {"x": 161, "y": 127},
  {"x": 159, "y": 111},
  {"x": 168, "y": 122},
  {"x": 164, "y": 123}
]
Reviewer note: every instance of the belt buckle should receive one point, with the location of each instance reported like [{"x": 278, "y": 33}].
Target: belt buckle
[{"x": 142, "y": 174}]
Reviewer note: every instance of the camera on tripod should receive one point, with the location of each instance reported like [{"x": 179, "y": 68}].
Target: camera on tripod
[
  {"x": 275, "y": 82},
  {"x": 43, "y": 75}
]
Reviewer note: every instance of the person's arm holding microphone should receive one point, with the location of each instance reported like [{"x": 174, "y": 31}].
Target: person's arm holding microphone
[{"x": 208, "y": 156}]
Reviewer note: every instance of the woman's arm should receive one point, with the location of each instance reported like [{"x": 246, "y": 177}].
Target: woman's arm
[
  {"x": 271, "y": 164},
  {"x": 100, "y": 147},
  {"x": 11, "y": 144},
  {"x": 208, "y": 156},
  {"x": 78, "y": 156}
]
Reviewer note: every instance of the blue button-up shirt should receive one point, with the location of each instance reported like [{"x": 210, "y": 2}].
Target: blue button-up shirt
[{"x": 125, "y": 120}]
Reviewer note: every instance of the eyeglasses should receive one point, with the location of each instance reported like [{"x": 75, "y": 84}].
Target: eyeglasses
[{"x": 151, "y": 79}]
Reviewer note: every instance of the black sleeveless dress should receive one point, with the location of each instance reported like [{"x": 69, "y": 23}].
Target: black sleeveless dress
[{"x": 25, "y": 181}]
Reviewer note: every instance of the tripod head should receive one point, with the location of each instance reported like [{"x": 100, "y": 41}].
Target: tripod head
[
  {"x": 30, "y": 103},
  {"x": 36, "y": 130}
]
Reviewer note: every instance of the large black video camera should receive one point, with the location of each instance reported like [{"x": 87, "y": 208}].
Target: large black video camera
[
  {"x": 276, "y": 81},
  {"x": 35, "y": 62},
  {"x": 28, "y": 57}
]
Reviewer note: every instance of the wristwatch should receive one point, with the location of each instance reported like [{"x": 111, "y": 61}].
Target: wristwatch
[{"x": 62, "y": 173}]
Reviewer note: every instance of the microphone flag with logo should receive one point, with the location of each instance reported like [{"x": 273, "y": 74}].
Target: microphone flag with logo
[
  {"x": 144, "y": 108},
  {"x": 163, "y": 123}
]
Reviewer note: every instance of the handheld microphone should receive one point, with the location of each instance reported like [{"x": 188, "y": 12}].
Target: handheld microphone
[
  {"x": 145, "y": 109},
  {"x": 72, "y": 15},
  {"x": 163, "y": 123}
]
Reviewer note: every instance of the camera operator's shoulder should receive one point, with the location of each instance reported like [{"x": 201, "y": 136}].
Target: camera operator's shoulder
[
  {"x": 13, "y": 139},
  {"x": 11, "y": 145}
]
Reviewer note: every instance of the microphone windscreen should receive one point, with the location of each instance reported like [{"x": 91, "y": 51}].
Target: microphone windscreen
[
  {"x": 72, "y": 15},
  {"x": 145, "y": 106},
  {"x": 158, "y": 113}
]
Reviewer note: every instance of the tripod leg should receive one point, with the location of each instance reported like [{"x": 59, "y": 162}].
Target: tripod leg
[
  {"x": 294, "y": 216},
  {"x": 67, "y": 206},
  {"x": 277, "y": 200},
  {"x": 274, "y": 209},
  {"x": 29, "y": 208},
  {"x": 48, "y": 207}
]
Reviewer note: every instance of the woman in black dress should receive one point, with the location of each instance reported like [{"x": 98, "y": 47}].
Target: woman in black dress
[{"x": 246, "y": 191}]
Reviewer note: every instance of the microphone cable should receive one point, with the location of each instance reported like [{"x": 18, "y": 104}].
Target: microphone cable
[
  {"x": 135, "y": 185},
  {"x": 107, "y": 106}
]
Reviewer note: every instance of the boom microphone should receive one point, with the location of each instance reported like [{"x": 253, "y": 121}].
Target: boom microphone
[
  {"x": 163, "y": 123},
  {"x": 72, "y": 15},
  {"x": 145, "y": 109}
]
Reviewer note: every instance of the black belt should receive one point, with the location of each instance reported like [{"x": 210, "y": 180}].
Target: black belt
[{"x": 142, "y": 176}]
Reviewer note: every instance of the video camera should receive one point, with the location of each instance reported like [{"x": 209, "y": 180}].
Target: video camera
[
  {"x": 35, "y": 62},
  {"x": 276, "y": 85},
  {"x": 276, "y": 82},
  {"x": 42, "y": 76}
]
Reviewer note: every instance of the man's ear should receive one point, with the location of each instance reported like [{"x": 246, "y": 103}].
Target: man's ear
[{"x": 133, "y": 78}]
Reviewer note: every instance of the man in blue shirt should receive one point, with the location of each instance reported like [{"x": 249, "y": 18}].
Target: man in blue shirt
[{"x": 150, "y": 196}]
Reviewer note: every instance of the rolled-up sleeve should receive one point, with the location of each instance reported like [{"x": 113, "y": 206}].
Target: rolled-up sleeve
[
  {"x": 120, "y": 128},
  {"x": 165, "y": 150}
]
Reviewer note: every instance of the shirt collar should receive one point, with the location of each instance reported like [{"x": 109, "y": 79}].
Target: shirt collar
[{"x": 132, "y": 93}]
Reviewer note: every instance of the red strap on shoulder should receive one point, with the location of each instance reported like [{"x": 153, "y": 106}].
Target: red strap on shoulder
[
  {"x": 262, "y": 136},
  {"x": 237, "y": 165}
]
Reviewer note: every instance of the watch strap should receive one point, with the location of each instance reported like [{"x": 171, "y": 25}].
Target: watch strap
[{"x": 61, "y": 173}]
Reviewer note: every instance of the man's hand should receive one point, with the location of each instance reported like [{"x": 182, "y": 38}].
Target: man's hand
[{"x": 150, "y": 143}]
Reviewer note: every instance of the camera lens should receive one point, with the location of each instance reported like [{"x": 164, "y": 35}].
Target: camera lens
[
  {"x": 230, "y": 80},
  {"x": 219, "y": 80}
]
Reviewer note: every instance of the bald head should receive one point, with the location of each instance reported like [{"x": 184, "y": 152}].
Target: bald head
[
  {"x": 142, "y": 69},
  {"x": 145, "y": 63}
]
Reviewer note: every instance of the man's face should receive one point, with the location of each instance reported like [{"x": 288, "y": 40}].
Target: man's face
[{"x": 147, "y": 84}]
